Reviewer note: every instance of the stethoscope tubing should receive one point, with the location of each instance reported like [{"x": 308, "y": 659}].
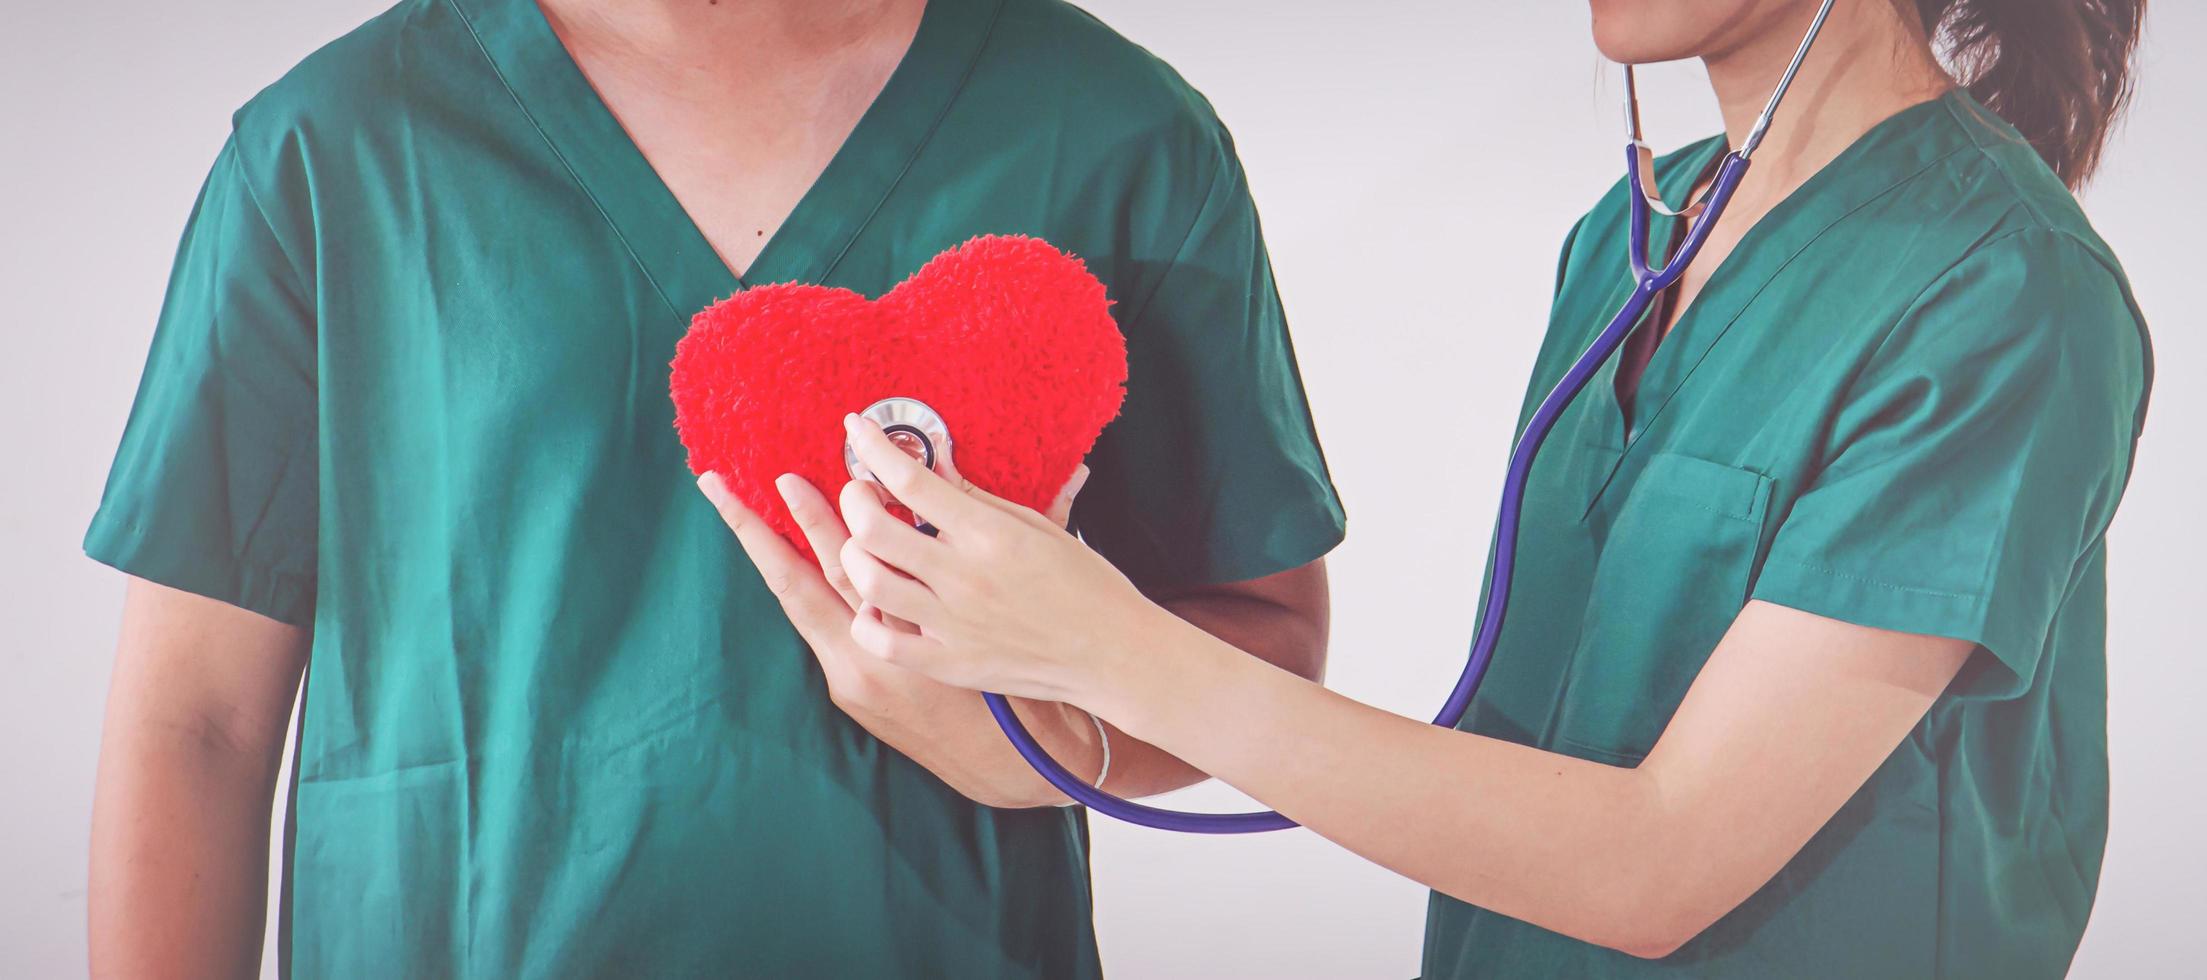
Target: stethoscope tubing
[{"x": 1649, "y": 281}]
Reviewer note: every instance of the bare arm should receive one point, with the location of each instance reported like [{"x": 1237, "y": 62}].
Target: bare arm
[
  {"x": 1280, "y": 618},
  {"x": 196, "y": 715},
  {"x": 1790, "y": 716},
  {"x": 1787, "y": 719}
]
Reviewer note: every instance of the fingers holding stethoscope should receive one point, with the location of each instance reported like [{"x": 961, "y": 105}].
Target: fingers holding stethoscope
[
  {"x": 940, "y": 496},
  {"x": 937, "y": 501},
  {"x": 887, "y": 536},
  {"x": 874, "y": 634},
  {"x": 889, "y": 590}
]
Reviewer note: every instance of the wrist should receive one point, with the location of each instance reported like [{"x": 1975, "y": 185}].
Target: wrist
[
  {"x": 1063, "y": 731},
  {"x": 1150, "y": 666}
]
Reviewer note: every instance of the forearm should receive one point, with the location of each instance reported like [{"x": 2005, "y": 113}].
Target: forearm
[
  {"x": 962, "y": 745},
  {"x": 967, "y": 750},
  {"x": 1786, "y": 719},
  {"x": 954, "y": 736},
  {"x": 1569, "y": 845},
  {"x": 197, "y": 709},
  {"x": 179, "y": 872},
  {"x": 1283, "y": 635}
]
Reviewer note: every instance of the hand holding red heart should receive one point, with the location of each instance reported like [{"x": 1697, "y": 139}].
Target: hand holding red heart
[
  {"x": 1012, "y": 343},
  {"x": 818, "y": 600},
  {"x": 943, "y": 727},
  {"x": 1003, "y": 599},
  {"x": 1010, "y": 340}
]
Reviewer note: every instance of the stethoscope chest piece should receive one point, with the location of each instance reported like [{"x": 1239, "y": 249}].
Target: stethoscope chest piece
[
  {"x": 1640, "y": 175},
  {"x": 911, "y": 425}
]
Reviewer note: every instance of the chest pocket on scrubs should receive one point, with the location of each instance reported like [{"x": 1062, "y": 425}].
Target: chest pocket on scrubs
[{"x": 1674, "y": 564}]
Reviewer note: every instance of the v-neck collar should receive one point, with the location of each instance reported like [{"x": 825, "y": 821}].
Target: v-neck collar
[
  {"x": 1675, "y": 182},
  {"x": 547, "y": 84},
  {"x": 1884, "y": 157}
]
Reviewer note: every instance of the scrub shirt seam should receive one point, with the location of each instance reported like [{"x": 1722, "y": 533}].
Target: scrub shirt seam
[
  {"x": 1970, "y": 597},
  {"x": 2097, "y": 526},
  {"x": 253, "y": 197},
  {"x": 2053, "y": 804},
  {"x": 1329, "y": 535},
  {"x": 2006, "y": 179},
  {"x": 1916, "y": 303},
  {"x": 934, "y": 126},
  {"x": 2122, "y": 283},
  {"x": 1986, "y": 632},
  {"x": 1332, "y": 527},
  {"x": 1139, "y": 309},
  {"x": 1989, "y": 573},
  {"x": 299, "y": 293},
  {"x": 552, "y": 146},
  {"x": 1647, "y": 421},
  {"x": 1697, "y": 507},
  {"x": 2040, "y": 219},
  {"x": 282, "y": 589},
  {"x": 140, "y": 530}
]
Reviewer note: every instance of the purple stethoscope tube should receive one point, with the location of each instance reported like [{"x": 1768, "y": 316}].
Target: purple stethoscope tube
[{"x": 1650, "y": 283}]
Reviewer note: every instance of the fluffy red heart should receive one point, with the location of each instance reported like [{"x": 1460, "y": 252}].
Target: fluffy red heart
[{"x": 1009, "y": 339}]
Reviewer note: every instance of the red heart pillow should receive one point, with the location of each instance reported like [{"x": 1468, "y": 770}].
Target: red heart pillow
[{"x": 1009, "y": 339}]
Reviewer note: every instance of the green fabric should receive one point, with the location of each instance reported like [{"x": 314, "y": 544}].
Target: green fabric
[
  {"x": 1908, "y": 400},
  {"x": 410, "y": 386}
]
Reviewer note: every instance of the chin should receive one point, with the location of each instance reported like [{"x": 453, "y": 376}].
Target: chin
[{"x": 1640, "y": 32}]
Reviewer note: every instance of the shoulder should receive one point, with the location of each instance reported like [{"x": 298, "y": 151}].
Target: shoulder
[
  {"x": 1982, "y": 196},
  {"x": 2005, "y": 178},
  {"x": 1061, "y": 50},
  {"x": 2033, "y": 303},
  {"x": 365, "y": 88},
  {"x": 2022, "y": 265},
  {"x": 358, "y": 82},
  {"x": 1099, "y": 88},
  {"x": 2006, "y": 284}
]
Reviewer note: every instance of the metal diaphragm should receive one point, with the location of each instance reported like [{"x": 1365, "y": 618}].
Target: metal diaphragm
[{"x": 911, "y": 426}]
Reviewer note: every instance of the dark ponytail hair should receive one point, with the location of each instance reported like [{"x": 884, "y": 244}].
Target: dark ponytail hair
[{"x": 2059, "y": 71}]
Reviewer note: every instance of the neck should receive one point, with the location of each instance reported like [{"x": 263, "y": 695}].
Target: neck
[
  {"x": 757, "y": 34},
  {"x": 1868, "y": 62}
]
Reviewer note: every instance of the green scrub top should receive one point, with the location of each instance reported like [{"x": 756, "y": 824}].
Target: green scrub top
[
  {"x": 410, "y": 386},
  {"x": 1908, "y": 400}
]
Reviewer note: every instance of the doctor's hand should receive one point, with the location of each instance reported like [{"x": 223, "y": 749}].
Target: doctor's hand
[
  {"x": 1003, "y": 599},
  {"x": 944, "y": 728}
]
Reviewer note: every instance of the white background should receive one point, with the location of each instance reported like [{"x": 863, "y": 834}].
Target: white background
[{"x": 1416, "y": 164}]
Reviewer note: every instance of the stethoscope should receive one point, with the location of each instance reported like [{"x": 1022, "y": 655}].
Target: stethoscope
[{"x": 922, "y": 433}]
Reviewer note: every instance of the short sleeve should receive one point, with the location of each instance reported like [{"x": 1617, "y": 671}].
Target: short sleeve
[
  {"x": 1978, "y": 460},
  {"x": 213, "y": 489},
  {"x": 1212, "y": 473}
]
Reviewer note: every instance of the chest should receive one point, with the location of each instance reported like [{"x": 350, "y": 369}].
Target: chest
[
  {"x": 1647, "y": 519},
  {"x": 1748, "y": 206},
  {"x": 738, "y": 150}
]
